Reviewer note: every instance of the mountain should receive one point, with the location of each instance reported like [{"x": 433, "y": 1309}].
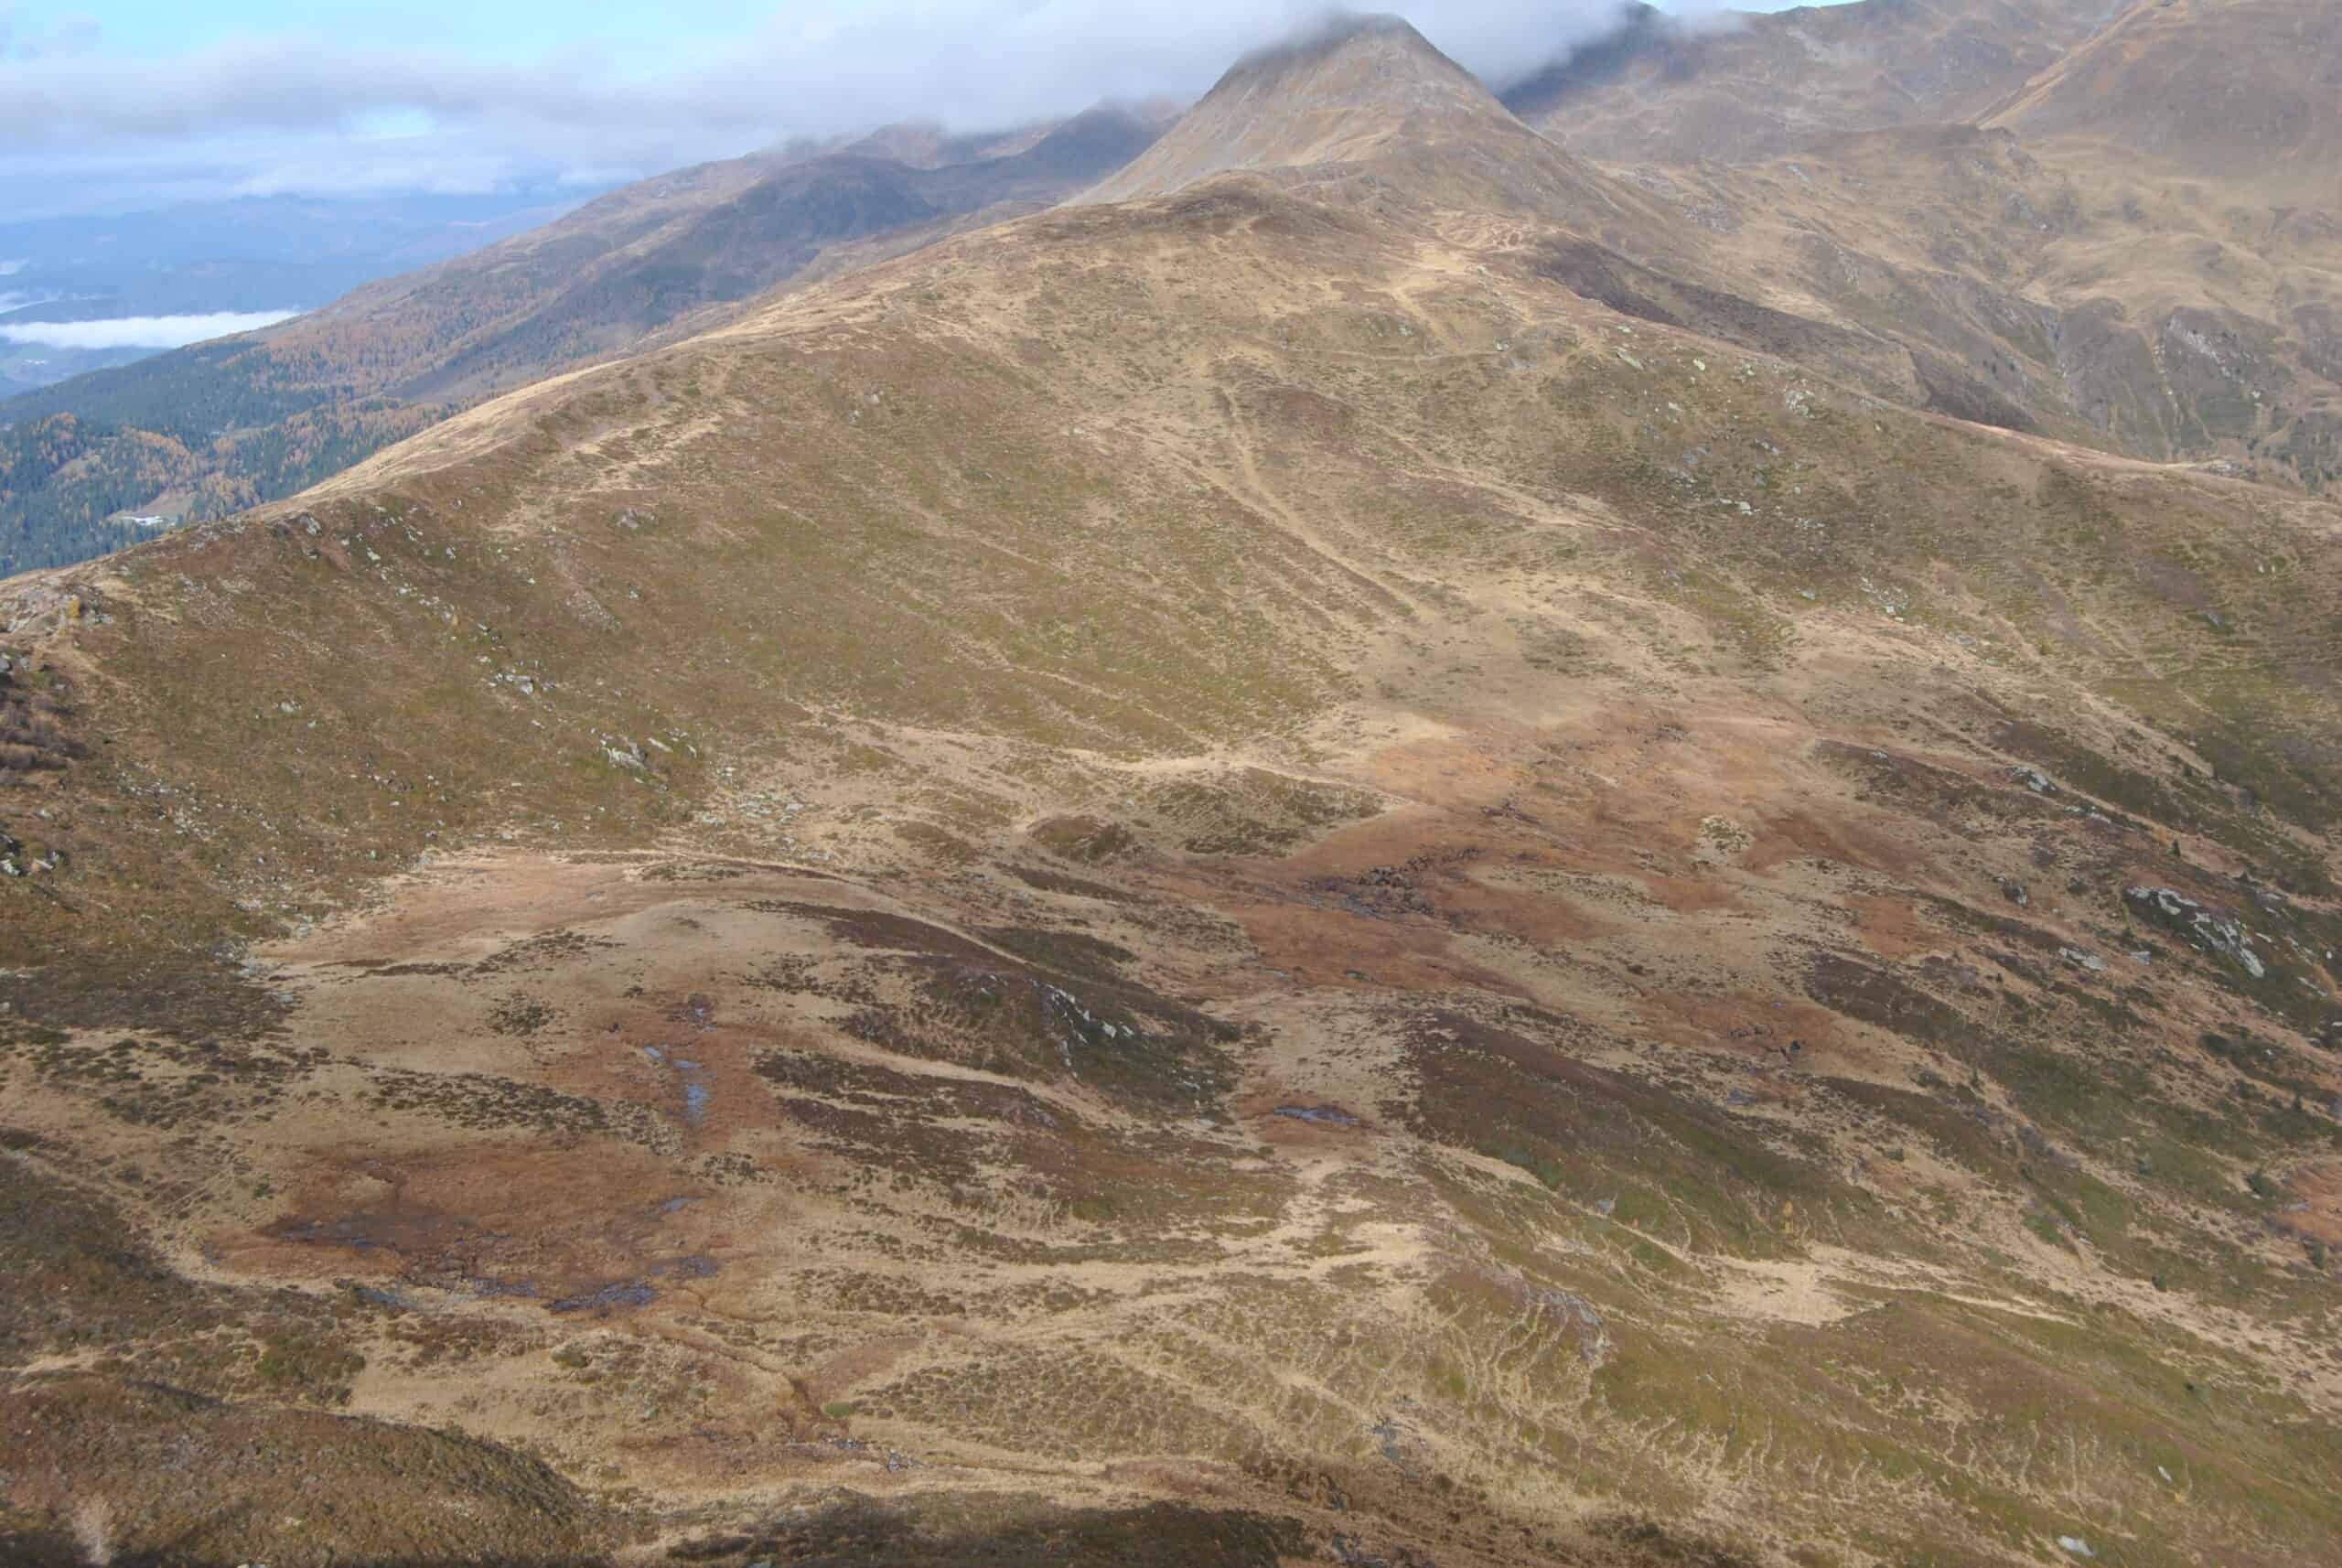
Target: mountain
[
  {"x": 1281, "y": 871},
  {"x": 1964, "y": 270},
  {"x": 2017, "y": 269},
  {"x": 205, "y": 430},
  {"x": 1745, "y": 86},
  {"x": 1353, "y": 88},
  {"x": 2243, "y": 92},
  {"x": 1367, "y": 103}
]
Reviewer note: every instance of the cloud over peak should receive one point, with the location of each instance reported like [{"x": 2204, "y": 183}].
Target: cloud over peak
[{"x": 250, "y": 108}]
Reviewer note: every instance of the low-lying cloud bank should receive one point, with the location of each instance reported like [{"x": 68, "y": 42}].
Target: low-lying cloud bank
[{"x": 140, "y": 331}]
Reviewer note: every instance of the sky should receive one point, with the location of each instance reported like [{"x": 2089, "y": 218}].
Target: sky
[{"x": 116, "y": 107}]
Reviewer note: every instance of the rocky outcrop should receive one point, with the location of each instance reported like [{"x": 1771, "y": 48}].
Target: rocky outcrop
[{"x": 2205, "y": 928}]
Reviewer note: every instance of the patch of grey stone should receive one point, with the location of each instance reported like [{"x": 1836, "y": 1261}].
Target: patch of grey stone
[
  {"x": 2034, "y": 779},
  {"x": 1593, "y": 1336},
  {"x": 2205, "y": 928}
]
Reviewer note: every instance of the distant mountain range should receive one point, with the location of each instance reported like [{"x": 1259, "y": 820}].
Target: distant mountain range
[
  {"x": 205, "y": 430},
  {"x": 201, "y": 260}
]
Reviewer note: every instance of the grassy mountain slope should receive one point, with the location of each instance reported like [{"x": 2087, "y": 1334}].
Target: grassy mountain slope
[
  {"x": 1220, "y": 879},
  {"x": 2240, "y": 93},
  {"x": 2086, "y": 299},
  {"x": 209, "y": 429},
  {"x": 2079, "y": 252},
  {"x": 1655, "y": 89}
]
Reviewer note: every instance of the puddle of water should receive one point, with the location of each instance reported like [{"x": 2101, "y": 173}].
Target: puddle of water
[
  {"x": 633, "y": 1292},
  {"x": 676, "y": 1205},
  {"x": 697, "y": 1096},
  {"x": 329, "y": 1233},
  {"x": 1323, "y": 1115},
  {"x": 480, "y": 1287}
]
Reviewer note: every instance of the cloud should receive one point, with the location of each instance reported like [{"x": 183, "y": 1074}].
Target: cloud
[
  {"x": 307, "y": 110},
  {"x": 140, "y": 331},
  {"x": 10, "y": 269},
  {"x": 65, "y": 33}
]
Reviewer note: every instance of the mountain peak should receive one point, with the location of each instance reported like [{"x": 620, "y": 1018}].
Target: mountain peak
[
  {"x": 1335, "y": 93},
  {"x": 1390, "y": 42}
]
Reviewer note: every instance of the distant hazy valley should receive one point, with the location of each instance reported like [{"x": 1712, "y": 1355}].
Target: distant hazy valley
[{"x": 84, "y": 294}]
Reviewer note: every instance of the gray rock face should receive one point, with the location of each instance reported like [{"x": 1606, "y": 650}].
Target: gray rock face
[{"x": 2203, "y": 928}]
